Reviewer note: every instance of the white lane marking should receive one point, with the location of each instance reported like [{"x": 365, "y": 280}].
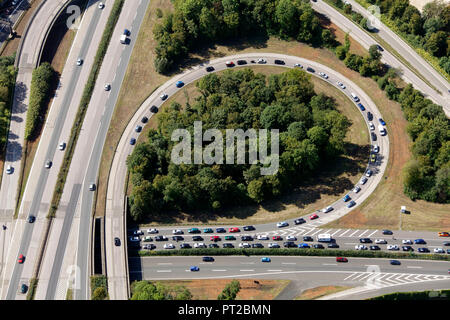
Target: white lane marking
[
  {"x": 315, "y": 232},
  {"x": 247, "y": 263},
  {"x": 372, "y": 234},
  {"x": 288, "y": 263},
  {"x": 342, "y": 234},
  {"x": 363, "y": 233},
  {"x": 274, "y": 270},
  {"x": 351, "y": 243},
  {"x": 247, "y": 270},
  {"x": 350, "y": 275},
  {"x": 353, "y": 233},
  {"x": 218, "y": 270},
  {"x": 163, "y": 270},
  {"x": 329, "y": 264},
  {"x": 164, "y": 263},
  {"x": 335, "y": 232},
  {"x": 414, "y": 267}
]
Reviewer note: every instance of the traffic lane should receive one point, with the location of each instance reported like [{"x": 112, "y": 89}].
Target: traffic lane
[{"x": 150, "y": 267}]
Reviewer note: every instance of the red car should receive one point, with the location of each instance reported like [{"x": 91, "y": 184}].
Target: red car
[
  {"x": 229, "y": 64},
  {"x": 277, "y": 238},
  {"x": 341, "y": 259},
  {"x": 215, "y": 238},
  {"x": 234, "y": 230},
  {"x": 21, "y": 258},
  {"x": 314, "y": 216},
  {"x": 444, "y": 234}
]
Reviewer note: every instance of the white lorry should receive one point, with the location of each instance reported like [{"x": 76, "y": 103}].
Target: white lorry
[{"x": 324, "y": 237}]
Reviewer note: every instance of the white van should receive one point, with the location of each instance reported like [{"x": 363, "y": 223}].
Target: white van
[
  {"x": 355, "y": 97},
  {"x": 382, "y": 130},
  {"x": 123, "y": 39}
]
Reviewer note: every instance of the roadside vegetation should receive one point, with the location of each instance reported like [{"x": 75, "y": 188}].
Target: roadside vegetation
[
  {"x": 230, "y": 291},
  {"x": 312, "y": 132},
  {"x": 146, "y": 290},
  {"x": 422, "y": 295},
  {"x": 99, "y": 288},
  {"x": 319, "y": 292},
  {"x": 7, "y": 84}
]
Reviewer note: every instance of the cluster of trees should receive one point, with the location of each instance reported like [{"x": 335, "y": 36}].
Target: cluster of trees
[
  {"x": 146, "y": 290},
  {"x": 204, "y": 21},
  {"x": 230, "y": 291},
  {"x": 7, "y": 81},
  {"x": 429, "y": 30},
  {"x": 312, "y": 132},
  {"x": 41, "y": 85}
]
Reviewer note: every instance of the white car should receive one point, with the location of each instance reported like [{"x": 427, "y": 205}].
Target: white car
[
  {"x": 392, "y": 247},
  {"x": 323, "y": 75},
  {"x": 261, "y": 237},
  {"x": 291, "y": 238},
  {"x": 135, "y": 239},
  {"x": 177, "y": 231},
  {"x": 79, "y": 62},
  {"x": 107, "y": 87},
  {"x": 273, "y": 245},
  {"x": 371, "y": 126},
  {"x": 101, "y": 5},
  {"x": 340, "y": 84},
  {"x": 376, "y": 148},
  {"x": 298, "y": 65},
  {"x": 282, "y": 224},
  {"x": 164, "y": 96},
  {"x": 380, "y": 241},
  {"x": 199, "y": 245},
  {"x": 262, "y": 61},
  {"x": 439, "y": 250},
  {"x": 363, "y": 180},
  {"x": 151, "y": 231},
  {"x": 169, "y": 246},
  {"x": 360, "y": 247},
  {"x": 62, "y": 146},
  {"x": 244, "y": 245},
  {"x": 406, "y": 241},
  {"x": 327, "y": 209},
  {"x": 9, "y": 170},
  {"x": 356, "y": 189}
]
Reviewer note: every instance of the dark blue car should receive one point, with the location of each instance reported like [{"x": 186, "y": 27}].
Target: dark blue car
[
  {"x": 179, "y": 84},
  {"x": 419, "y": 241},
  {"x": 361, "y": 107},
  {"x": 221, "y": 230},
  {"x": 133, "y": 141},
  {"x": 382, "y": 121},
  {"x": 346, "y": 198}
]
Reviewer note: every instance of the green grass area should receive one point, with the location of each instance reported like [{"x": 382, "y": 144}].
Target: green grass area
[
  {"x": 419, "y": 295},
  {"x": 32, "y": 288}
]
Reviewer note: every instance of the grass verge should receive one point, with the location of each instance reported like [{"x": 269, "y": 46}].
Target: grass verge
[
  {"x": 318, "y": 292},
  {"x": 421, "y": 295},
  {"x": 32, "y": 289},
  {"x": 295, "y": 252},
  {"x": 85, "y": 99}
]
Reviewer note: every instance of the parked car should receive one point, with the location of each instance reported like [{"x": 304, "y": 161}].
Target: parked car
[
  {"x": 263, "y": 237},
  {"x": 277, "y": 238},
  {"x": 208, "y": 230},
  {"x": 213, "y": 245},
  {"x": 423, "y": 250},
  {"x": 380, "y": 241},
  {"x": 318, "y": 246},
  {"x": 360, "y": 247},
  {"x": 313, "y": 217},
  {"x": 407, "y": 248},
  {"x": 333, "y": 245},
  {"x": 230, "y": 238},
  {"x": 185, "y": 246},
  {"x": 246, "y": 238},
  {"x": 132, "y": 141},
  {"x": 299, "y": 221},
  {"x": 244, "y": 245},
  {"x": 327, "y": 209},
  {"x": 393, "y": 247},
  {"x": 197, "y": 238},
  {"x": 438, "y": 250},
  {"x": 291, "y": 238},
  {"x": 9, "y": 169},
  {"x": 444, "y": 234},
  {"x": 387, "y": 232},
  {"x": 282, "y": 224},
  {"x": 228, "y": 245},
  {"x": 221, "y": 230},
  {"x": 371, "y": 126},
  {"x": 351, "y": 204},
  {"x": 273, "y": 245},
  {"x": 214, "y": 238},
  {"x": 209, "y": 69},
  {"x": 298, "y": 65},
  {"x": 356, "y": 189},
  {"x": 281, "y": 62},
  {"x": 31, "y": 219},
  {"x": 289, "y": 244},
  {"x": 177, "y": 238},
  {"x": 361, "y": 107},
  {"x": 374, "y": 248},
  {"x": 199, "y": 245},
  {"x": 164, "y": 96},
  {"x": 177, "y": 231},
  {"x": 234, "y": 229},
  {"x": 363, "y": 180},
  {"x": 406, "y": 241},
  {"x": 365, "y": 240},
  {"x": 262, "y": 61},
  {"x": 194, "y": 230},
  {"x": 144, "y": 120},
  {"x": 229, "y": 64},
  {"x": 323, "y": 75},
  {"x": 307, "y": 238},
  {"x": 303, "y": 246},
  {"x": 154, "y": 109},
  {"x": 169, "y": 246},
  {"x": 241, "y": 62},
  {"x": 257, "y": 245},
  {"x": 179, "y": 84},
  {"x": 382, "y": 122},
  {"x": 249, "y": 228},
  {"x": 369, "y": 173},
  {"x": 340, "y": 84}
]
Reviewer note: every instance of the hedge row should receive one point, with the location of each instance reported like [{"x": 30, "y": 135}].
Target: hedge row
[
  {"x": 292, "y": 252},
  {"x": 39, "y": 93},
  {"x": 422, "y": 295},
  {"x": 85, "y": 99}
]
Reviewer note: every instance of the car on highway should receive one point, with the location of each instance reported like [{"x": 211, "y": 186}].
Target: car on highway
[
  {"x": 313, "y": 216},
  {"x": 48, "y": 164},
  {"x": 262, "y": 237},
  {"x": 92, "y": 187},
  {"x": 346, "y": 198},
  {"x": 177, "y": 238},
  {"x": 387, "y": 232},
  {"x": 363, "y": 180},
  {"x": 309, "y": 69},
  {"x": 333, "y": 245},
  {"x": 262, "y": 61},
  {"x": 376, "y": 148},
  {"x": 351, "y": 204},
  {"x": 340, "y": 84},
  {"x": 197, "y": 238},
  {"x": 393, "y": 247},
  {"x": 360, "y": 247},
  {"x": 444, "y": 234},
  {"x": 282, "y": 224},
  {"x": 382, "y": 121},
  {"x": 107, "y": 87},
  {"x": 132, "y": 141},
  {"x": 438, "y": 250},
  {"x": 323, "y": 75},
  {"x": 164, "y": 96},
  {"x": 373, "y": 158},
  {"x": 185, "y": 246},
  {"x": 446, "y": 243},
  {"x": 379, "y": 48},
  {"x": 177, "y": 231},
  {"x": 79, "y": 62},
  {"x": 318, "y": 246},
  {"x": 380, "y": 241},
  {"x": 234, "y": 229},
  {"x": 299, "y": 221},
  {"x": 298, "y": 65},
  {"x": 257, "y": 245},
  {"x": 195, "y": 269},
  {"x": 341, "y": 259},
  {"x": 221, "y": 230},
  {"x": 227, "y": 245},
  {"x": 280, "y": 62},
  {"x": 374, "y": 136},
  {"x": 241, "y": 62},
  {"x": 407, "y": 248},
  {"x": 9, "y": 170},
  {"x": 249, "y": 228},
  {"x": 161, "y": 238},
  {"x": 277, "y": 238},
  {"x": 31, "y": 219},
  {"x": 230, "y": 238},
  {"x": 395, "y": 262},
  {"x": 199, "y": 245},
  {"x": 423, "y": 250},
  {"x": 265, "y": 259},
  {"x": 229, "y": 64},
  {"x": 194, "y": 230},
  {"x": 273, "y": 245},
  {"x": 356, "y": 189},
  {"x": 327, "y": 209},
  {"x": 374, "y": 248},
  {"x": 291, "y": 238},
  {"x": 369, "y": 116},
  {"x": 244, "y": 245},
  {"x": 208, "y": 259},
  {"x": 213, "y": 245},
  {"x": 289, "y": 244},
  {"x": 308, "y": 238},
  {"x": 361, "y": 107},
  {"x": 152, "y": 231},
  {"x": 101, "y": 5},
  {"x": 208, "y": 230},
  {"x": 144, "y": 120},
  {"x": 369, "y": 173},
  {"x": 210, "y": 69},
  {"x": 246, "y": 238},
  {"x": 179, "y": 84},
  {"x": 365, "y": 240},
  {"x": 303, "y": 246},
  {"x": 154, "y": 109},
  {"x": 371, "y": 126},
  {"x": 62, "y": 146},
  {"x": 138, "y": 129},
  {"x": 23, "y": 288},
  {"x": 214, "y": 238},
  {"x": 354, "y": 97},
  {"x": 406, "y": 241}
]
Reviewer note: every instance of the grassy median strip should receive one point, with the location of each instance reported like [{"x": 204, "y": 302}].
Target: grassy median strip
[
  {"x": 32, "y": 289},
  {"x": 87, "y": 94},
  {"x": 294, "y": 252}
]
